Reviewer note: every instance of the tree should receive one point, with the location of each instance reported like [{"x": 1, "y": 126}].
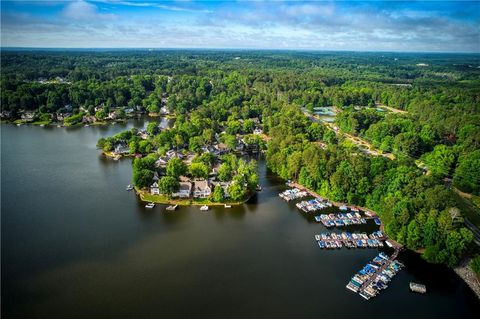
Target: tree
[
  {"x": 413, "y": 235},
  {"x": 475, "y": 264},
  {"x": 230, "y": 142},
  {"x": 467, "y": 173},
  {"x": 152, "y": 128},
  {"x": 248, "y": 126},
  {"x": 218, "y": 193},
  {"x": 195, "y": 144},
  {"x": 224, "y": 172},
  {"x": 440, "y": 160},
  {"x": 198, "y": 170},
  {"x": 168, "y": 185},
  {"x": 237, "y": 189},
  {"x": 176, "y": 168},
  {"x": 142, "y": 178}
]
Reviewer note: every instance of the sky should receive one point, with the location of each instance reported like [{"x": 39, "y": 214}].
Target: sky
[{"x": 420, "y": 26}]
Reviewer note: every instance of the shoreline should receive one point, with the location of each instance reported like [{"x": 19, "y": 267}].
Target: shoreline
[
  {"x": 465, "y": 272},
  {"x": 163, "y": 200}
]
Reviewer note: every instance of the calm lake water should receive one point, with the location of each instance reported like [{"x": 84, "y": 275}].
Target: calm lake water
[{"x": 75, "y": 244}]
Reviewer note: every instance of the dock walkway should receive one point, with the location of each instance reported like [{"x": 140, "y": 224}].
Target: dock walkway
[{"x": 392, "y": 258}]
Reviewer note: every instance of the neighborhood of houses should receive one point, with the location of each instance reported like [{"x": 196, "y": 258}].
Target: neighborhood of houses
[{"x": 196, "y": 188}]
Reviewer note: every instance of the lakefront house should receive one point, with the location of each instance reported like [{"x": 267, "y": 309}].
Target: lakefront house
[
  {"x": 184, "y": 190},
  {"x": 202, "y": 189},
  {"x": 154, "y": 190}
]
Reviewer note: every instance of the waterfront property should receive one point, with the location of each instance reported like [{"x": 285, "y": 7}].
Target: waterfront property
[
  {"x": 202, "y": 189},
  {"x": 184, "y": 190}
]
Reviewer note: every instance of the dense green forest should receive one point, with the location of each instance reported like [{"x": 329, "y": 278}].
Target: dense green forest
[{"x": 433, "y": 131}]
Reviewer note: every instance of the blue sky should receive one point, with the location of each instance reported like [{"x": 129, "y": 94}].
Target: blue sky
[{"x": 318, "y": 25}]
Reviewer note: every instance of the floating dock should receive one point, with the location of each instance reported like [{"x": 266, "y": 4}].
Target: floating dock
[
  {"x": 342, "y": 219},
  {"x": 291, "y": 194},
  {"x": 375, "y": 276},
  {"x": 418, "y": 288},
  {"x": 349, "y": 240}
]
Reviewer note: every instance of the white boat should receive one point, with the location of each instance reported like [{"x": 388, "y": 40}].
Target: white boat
[
  {"x": 150, "y": 205},
  {"x": 227, "y": 206},
  {"x": 204, "y": 208},
  {"x": 171, "y": 207},
  {"x": 86, "y": 125},
  {"x": 129, "y": 187}
]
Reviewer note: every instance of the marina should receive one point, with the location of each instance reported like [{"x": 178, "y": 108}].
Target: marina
[
  {"x": 291, "y": 194},
  {"x": 313, "y": 205},
  {"x": 341, "y": 219},
  {"x": 350, "y": 240},
  {"x": 375, "y": 276}
]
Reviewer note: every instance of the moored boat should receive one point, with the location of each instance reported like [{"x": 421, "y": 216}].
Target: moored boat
[{"x": 150, "y": 205}]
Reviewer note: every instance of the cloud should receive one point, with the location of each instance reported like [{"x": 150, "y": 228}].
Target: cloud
[
  {"x": 305, "y": 25},
  {"x": 82, "y": 10},
  {"x": 155, "y": 5}
]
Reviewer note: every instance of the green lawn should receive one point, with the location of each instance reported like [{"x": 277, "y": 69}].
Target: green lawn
[{"x": 162, "y": 199}]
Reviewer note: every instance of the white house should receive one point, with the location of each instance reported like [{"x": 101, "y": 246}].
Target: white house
[
  {"x": 202, "y": 189},
  {"x": 154, "y": 189},
  {"x": 161, "y": 162},
  {"x": 184, "y": 190}
]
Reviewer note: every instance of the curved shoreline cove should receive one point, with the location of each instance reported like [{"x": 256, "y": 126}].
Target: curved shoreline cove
[{"x": 75, "y": 244}]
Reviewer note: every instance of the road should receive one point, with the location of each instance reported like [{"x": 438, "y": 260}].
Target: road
[{"x": 363, "y": 145}]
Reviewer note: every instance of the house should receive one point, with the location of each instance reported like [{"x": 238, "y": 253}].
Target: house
[
  {"x": 154, "y": 190},
  {"x": 5, "y": 114},
  {"x": 225, "y": 186},
  {"x": 189, "y": 159},
  {"x": 214, "y": 171},
  {"x": 257, "y": 131},
  {"x": 88, "y": 119},
  {"x": 184, "y": 190},
  {"x": 240, "y": 145},
  {"x": 161, "y": 162},
  {"x": 61, "y": 116},
  {"x": 202, "y": 189},
  {"x": 172, "y": 153},
  {"x": 221, "y": 148},
  {"x": 143, "y": 135},
  {"x": 121, "y": 148},
  {"x": 128, "y": 111},
  {"x": 28, "y": 116}
]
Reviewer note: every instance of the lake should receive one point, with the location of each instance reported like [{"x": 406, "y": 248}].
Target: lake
[{"x": 75, "y": 244}]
